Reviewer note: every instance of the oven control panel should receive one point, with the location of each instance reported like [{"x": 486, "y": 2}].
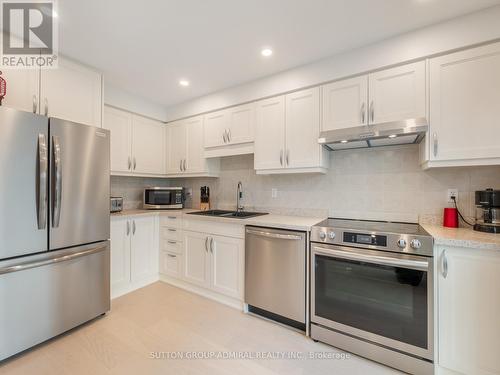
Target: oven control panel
[{"x": 365, "y": 239}]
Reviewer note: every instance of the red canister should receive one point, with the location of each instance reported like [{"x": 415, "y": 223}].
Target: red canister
[{"x": 450, "y": 218}]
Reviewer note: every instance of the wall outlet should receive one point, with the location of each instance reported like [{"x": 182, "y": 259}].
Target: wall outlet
[
  {"x": 274, "y": 193},
  {"x": 188, "y": 192},
  {"x": 452, "y": 193}
]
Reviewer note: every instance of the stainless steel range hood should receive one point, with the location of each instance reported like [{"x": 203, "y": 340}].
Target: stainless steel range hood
[{"x": 377, "y": 135}]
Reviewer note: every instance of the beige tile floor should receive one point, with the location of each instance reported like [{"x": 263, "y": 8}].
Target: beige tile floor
[{"x": 162, "y": 318}]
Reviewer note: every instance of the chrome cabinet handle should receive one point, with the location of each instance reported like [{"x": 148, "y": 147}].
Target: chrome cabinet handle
[
  {"x": 281, "y": 157},
  {"x": 445, "y": 264},
  {"x": 206, "y": 244},
  {"x": 172, "y": 256},
  {"x": 372, "y": 111},
  {"x": 185, "y": 165},
  {"x": 172, "y": 242},
  {"x": 46, "y": 104},
  {"x": 180, "y": 165},
  {"x": 128, "y": 227},
  {"x": 133, "y": 227},
  {"x": 172, "y": 217},
  {"x": 42, "y": 181},
  {"x": 57, "y": 186},
  {"x": 172, "y": 230},
  {"x": 135, "y": 163},
  {"x": 435, "y": 138},
  {"x": 129, "y": 163},
  {"x": 224, "y": 136},
  {"x": 35, "y": 104},
  {"x": 229, "y": 135},
  {"x": 363, "y": 112},
  {"x": 212, "y": 242},
  {"x": 287, "y": 157}
]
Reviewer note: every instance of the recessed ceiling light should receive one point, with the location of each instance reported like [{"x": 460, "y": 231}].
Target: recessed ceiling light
[
  {"x": 393, "y": 136},
  {"x": 184, "y": 82},
  {"x": 344, "y": 141},
  {"x": 266, "y": 52}
]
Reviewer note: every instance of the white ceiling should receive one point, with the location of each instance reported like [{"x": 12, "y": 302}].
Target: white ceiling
[{"x": 145, "y": 47}]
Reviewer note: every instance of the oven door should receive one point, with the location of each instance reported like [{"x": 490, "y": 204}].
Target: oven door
[
  {"x": 385, "y": 298},
  {"x": 162, "y": 198}
]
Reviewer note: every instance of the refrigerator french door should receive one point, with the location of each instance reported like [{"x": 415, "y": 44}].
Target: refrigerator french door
[{"x": 54, "y": 227}]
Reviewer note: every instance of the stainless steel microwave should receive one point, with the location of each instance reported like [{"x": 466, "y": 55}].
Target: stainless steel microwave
[{"x": 163, "y": 198}]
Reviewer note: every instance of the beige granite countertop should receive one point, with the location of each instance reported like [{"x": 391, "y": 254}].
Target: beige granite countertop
[
  {"x": 270, "y": 220},
  {"x": 463, "y": 237}
]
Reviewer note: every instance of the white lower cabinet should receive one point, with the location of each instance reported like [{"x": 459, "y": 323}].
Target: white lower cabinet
[
  {"x": 134, "y": 253},
  {"x": 196, "y": 259},
  {"x": 468, "y": 311},
  {"x": 170, "y": 264}
]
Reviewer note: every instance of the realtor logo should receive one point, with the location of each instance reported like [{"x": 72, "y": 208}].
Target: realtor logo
[{"x": 29, "y": 31}]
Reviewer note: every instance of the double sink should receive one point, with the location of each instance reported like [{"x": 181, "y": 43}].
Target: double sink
[{"x": 229, "y": 214}]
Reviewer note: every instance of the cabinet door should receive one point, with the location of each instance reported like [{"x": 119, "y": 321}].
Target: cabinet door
[
  {"x": 216, "y": 125},
  {"x": 171, "y": 264},
  {"x": 148, "y": 145},
  {"x": 71, "y": 92},
  {"x": 302, "y": 129},
  {"x": 345, "y": 103},
  {"x": 464, "y": 110},
  {"x": 195, "y": 159},
  {"x": 22, "y": 89},
  {"x": 196, "y": 259},
  {"x": 175, "y": 147},
  {"x": 227, "y": 265},
  {"x": 120, "y": 254},
  {"x": 143, "y": 258},
  {"x": 270, "y": 133},
  {"x": 119, "y": 123},
  {"x": 468, "y": 306},
  {"x": 241, "y": 124},
  {"x": 398, "y": 93}
]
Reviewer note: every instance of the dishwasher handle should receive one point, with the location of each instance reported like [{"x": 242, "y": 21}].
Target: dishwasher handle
[{"x": 280, "y": 236}]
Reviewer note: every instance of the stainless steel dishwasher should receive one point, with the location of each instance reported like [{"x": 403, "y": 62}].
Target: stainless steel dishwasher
[{"x": 275, "y": 269}]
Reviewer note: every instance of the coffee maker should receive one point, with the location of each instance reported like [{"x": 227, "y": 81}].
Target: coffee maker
[{"x": 487, "y": 211}]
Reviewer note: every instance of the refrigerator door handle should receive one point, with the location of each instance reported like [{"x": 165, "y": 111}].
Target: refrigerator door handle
[
  {"x": 21, "y": 266},
  {"x": 42, "y": 181},
  {"x": 56, "y": 200}
]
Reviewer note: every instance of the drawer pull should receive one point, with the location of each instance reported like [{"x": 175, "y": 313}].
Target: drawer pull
[
  {"x": 172, "y": 230},
  {"x": 172, "y": 217},
  {"x": 172, "y": 256},
  {"x": 172, "y": 242}
]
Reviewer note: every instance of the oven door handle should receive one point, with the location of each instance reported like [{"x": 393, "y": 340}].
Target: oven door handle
[{"x": 419, "y": 265}]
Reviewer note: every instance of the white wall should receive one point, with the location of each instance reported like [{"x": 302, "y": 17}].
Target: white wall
[
  {"x": 133, "y": 103},
  {"x": 457, "y": 33}
]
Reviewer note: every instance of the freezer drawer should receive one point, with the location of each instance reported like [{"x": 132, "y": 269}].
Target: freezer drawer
[
  {"x": 45, "y": 295},
  {"x": 275, "y": 262}
]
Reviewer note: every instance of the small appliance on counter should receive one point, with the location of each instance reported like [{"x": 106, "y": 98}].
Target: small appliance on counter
[
  {"x": 163, "y": 198},
  {"x": 116, "y": 204},
  {"x": 487, "y": 211},
  {"x": 204, "y": 198}
]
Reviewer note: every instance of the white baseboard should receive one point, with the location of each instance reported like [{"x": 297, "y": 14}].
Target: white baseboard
[{"x": 228, "y": 301}]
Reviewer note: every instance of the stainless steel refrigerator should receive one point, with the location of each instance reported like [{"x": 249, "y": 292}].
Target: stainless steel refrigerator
[{"x": 54, "y": 227}]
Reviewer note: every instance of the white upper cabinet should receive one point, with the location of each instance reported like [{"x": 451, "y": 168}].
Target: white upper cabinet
[
  {"x": 345, "y": 103},
  {"x": 287, "y": 132},
  {"x": 230, "y": 131},
  {"x": 464, "y": 107},
  {"x": 467, "y": 311},
  {"x": 148, "y": 145},
  {"x": 397, "y": 93},
  {"x": 22, "y": 89},
  {"x": 270, "y": 134},
  {"x": 137, "y": 143},
  {"x": 302, "y": 129},
  {"x": 119, "y": 123},
  {"x": 72, "y": 92},
  {"x": 185, "y": 152}
]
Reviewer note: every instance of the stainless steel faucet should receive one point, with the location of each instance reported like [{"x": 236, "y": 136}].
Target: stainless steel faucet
[{"x": 239, "y": 197}]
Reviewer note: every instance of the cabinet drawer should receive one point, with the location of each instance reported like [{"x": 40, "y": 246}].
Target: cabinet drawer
[
  {"x": 172, "y": 246},
  {"x": 168, "y": 233},
  {"x": 173, "y": 220},
  {"x": 170, "y": 264}
]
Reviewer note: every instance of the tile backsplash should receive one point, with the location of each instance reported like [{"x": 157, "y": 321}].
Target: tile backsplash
[{"x": 384, "y": 183}]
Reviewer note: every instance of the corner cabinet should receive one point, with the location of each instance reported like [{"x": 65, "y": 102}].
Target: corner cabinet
[
  {"x": 134, "y": 252},
  {"x": 185, "y": 152},
  {"x": 464, "y": 115},
  {"x": 468, "y": 305},
  {"x": 230, "y": 131},
  {"x": 137, "y": 143},
  {"x": 287, "y": 132}
]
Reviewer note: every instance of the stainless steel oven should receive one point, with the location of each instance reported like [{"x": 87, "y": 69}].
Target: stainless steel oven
[
  {"x": 163, "y": 198},
  {"x": 372, "y": 293}
]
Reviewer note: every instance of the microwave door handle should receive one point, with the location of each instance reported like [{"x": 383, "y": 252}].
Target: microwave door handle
[
  {"x": 418, "y": 265},
  {"x": 42, "y": 181},
  {"x": 57, "y": 188}
]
